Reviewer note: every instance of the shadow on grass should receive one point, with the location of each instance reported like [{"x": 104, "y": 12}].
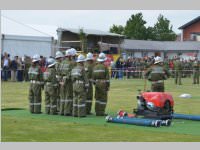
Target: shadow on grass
[{"x": 7, "y": 109}]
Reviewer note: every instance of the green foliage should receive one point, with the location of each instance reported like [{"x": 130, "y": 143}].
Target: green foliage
[
  {"x": 150, "y": 33},
  {"x": 163, "y": 30},
  {"x": 20, "y": 125},
  {"x": 135, "y": 27},
  {"x": 118, "y": 29},
  {"x": 83, "y": 39}
]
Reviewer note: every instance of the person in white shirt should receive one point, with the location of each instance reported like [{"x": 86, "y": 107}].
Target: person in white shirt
[{"x": 5, "y": 67}]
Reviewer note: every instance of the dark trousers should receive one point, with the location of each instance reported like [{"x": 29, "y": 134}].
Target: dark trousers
[
  {"x": 20, "y": 75},
  {"x": 113, "y": 73},
  {"x": 25, "y": 75},
  {"x": 5, "y": 73}
]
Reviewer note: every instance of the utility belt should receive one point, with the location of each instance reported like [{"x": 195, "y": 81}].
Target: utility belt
[
  {"x": 91, "y": 80},
  {"x": 58, "y": 77},
  {"x": 196, "y": 70},
  {"x": 64, "y": 77},
  {"x": 102, "y": 80},
  {"x": 159, "y": 81},
  {"x": 35, "y": 82},
  {"x": 79, "y": 81},
  {"x": 63, "y": 80},
  {"x": 50, "y": 83}
]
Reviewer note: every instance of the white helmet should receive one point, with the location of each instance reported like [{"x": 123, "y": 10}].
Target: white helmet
[
  {"x": 158, "y": 60},
  {"x": 36, "y": 58},
  {"x": 68, "y": 52},
  {"x": 59, "y": 54},
  {"x": 81, "y": 58},
  {"x": 73, "y": 51},
  {"x": 51, "y": 62},
  {"x": 102, "y": 57},
  {"x": 89, "y": 56}
]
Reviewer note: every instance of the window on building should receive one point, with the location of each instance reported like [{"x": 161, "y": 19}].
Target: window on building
[
  {"x": 193, "y": 37},
  {"x": 131, "y": 54}
]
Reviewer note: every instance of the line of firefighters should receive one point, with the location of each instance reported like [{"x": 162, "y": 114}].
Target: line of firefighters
[{"x": 68, "y": 84}]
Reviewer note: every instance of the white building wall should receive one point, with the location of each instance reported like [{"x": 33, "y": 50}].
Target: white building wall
[{"x": 27, "y": 46}]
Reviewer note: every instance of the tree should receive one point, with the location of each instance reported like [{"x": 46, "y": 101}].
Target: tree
[
  {"x": 135, "y": 27},
  {"x": 83, "y": 40},
  {"x": 150, "y": 33},
  {"x": 119, "y": 29},
  {"x": 163, "y": 30}
]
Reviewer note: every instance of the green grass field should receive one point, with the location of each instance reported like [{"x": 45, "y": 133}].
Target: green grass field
[{"x": 19, "y": 125}]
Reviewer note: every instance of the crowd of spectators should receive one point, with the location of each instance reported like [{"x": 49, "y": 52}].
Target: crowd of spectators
[
  {"x": 135, "y": 67},
  {"x": 16, "y": 69}
]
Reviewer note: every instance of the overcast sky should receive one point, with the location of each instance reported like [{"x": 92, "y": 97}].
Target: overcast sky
[{"x": 46, "y": 21}]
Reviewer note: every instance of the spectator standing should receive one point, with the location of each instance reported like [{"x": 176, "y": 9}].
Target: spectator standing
[
  {"x": 129, "y": 67},
  {"x": 27, "y": 64},
  {"x": 119, "y": 68},
  {"x": 113, "y": 69},
  {"x": 43, "y": 63},
  {"x": 6, "y": 62},
  {"x": 13, "y": 67},
  {"x": 20, "y": 70}
]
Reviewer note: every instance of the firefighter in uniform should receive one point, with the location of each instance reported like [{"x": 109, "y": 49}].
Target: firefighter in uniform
[
  {"x": 157, "y": 74},
  {"x": 65, "y": 85},
  {"x": 59, "y": 57},
  {"x": 102, "y": 84},
  {"x": 80, "y": 86},
  {"x": 74, "y": 55},
  {"x": 89, "y": 65},
  {"x": 178, "y": 67},
  {"x": 50, "y": 88},
  {"x": 36, "y": 83},
  {"x": 196, "y": 66}
]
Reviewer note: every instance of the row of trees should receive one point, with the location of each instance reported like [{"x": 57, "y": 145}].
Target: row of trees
[{"x": 135, "y": 29}]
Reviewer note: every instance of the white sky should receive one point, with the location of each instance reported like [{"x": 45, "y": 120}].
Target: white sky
[{"x": 47, "y": 21}]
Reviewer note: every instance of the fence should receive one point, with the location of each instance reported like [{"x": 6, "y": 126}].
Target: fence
[
  {"x": 128, "y": 73},
  {"x": 136, "y": 73}
]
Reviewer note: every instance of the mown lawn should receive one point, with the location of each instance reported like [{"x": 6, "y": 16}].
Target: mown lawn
[{"x": 19, "y": 125}]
